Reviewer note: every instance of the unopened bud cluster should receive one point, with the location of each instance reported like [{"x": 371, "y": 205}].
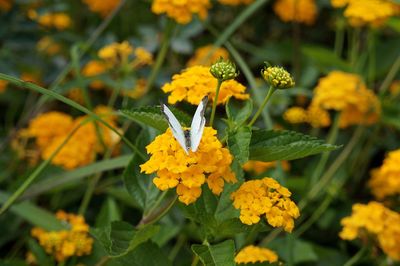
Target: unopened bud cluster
[
  {"x": 278, "y": 77},
  {"x": 223, "y": 70}
]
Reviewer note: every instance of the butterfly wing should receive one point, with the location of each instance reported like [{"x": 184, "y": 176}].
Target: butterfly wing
[
  {"x": 175, "y": 126},
  {"x": 198, "y": 123}
]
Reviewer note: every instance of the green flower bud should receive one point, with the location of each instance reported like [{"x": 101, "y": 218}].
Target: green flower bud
[
  {"x": 223, "y": 70},
  {"x": 277, "y": 77}
]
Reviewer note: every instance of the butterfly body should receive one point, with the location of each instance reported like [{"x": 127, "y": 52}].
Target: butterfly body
[{"x": 188, "y": 139}]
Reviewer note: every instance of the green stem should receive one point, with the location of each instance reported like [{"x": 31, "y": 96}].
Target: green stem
[
  {"x": 390, "y": 76},
  {"x": 353, "y": 260},
  {"x": 266, "y": 99},
  {"x": 175, "y": 250},
  {"x": 61, "y": 98},
  {"x": 157, "y": 215},
  {"x": 37, "y": 171},
  {"x": 354, "y": 49},
  {"x": 332, "y": 136},
  {"x": 157, "y": 203},
  {"x": 214, "y": 106},
  {"x": 339, "y": 38},
  {"x": 372, "y": 56},
  {"x": 161, "y": 54},
  {"x": 245, "y": 69}
]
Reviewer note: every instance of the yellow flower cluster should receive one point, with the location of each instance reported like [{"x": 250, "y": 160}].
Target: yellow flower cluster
[
  {"x": 193, "y": 83},
  {"x": 385, "y": 180},
  {"x": 259, "y": 167},
  {"x": 66, "y": 243},
  {"x": 118, "y": 54},
  {"x": 314, "y": 115},
  {"x": 207, "y": 55},
  {"x": 174, "y": 168},
  {"x": 6, "y": 5},
  {"x": 367, "y": 12},
  {"x": 3, "y": 85},
  {"x": 348, "y": 94},
  {"x": 102, "y": 7},
  {"x": 301, "y": 11},
  {"x": 92, "y": 69},
  {"x": 181, "y": 11},
  {"x": 253, "y": 254},
  {"x": 138, "y": 91},
  {"x": 235, "y": 2},
  {"x": 374, "y": 219},
  {"x": 52, "y": 128},
  {"x": 48, "y": 46},
  {"x": 394, "y": 88},
  {"x": 60, "y": 21},
  {"x": 265, "y": 197}
]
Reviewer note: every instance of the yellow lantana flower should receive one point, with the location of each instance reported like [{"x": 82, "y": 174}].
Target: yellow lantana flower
[
  {"x": 60, "y": 21},
  {"x": 48, "y": 46},
  {"x": 266, "y": 197},
  {"x": 385, "y": 180},
  {"x": 101, "y": 6},
  {"x": 348, "y": 94},
  {"x": 314, "y": 115},
  {"x": 92, "y": 69},
  {"x": 174, "y": 168},
  {"x": 181, "y": 11},
  {"x": 367, "y": 12},
  {"x": 207, "y": 55},
  {"x": 66, "y": 243},
  {"x": 235, "y": 2},
  {"x": 302, "y": 11},
  {"x": 3, "y": 85},
  {"x": 193, "y": 83},
  {"x": 374, "y": 221},
  {"x": 116, "y": 53},
  {"x": 253, "y": 254},
  {"x": 259, "y": 167}
]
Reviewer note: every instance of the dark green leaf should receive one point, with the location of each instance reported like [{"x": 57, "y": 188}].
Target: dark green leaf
[
  {"x": 146, "y": 254},
  {"x": 324, "y": 58},
  {"x": 238, "y": 142},
  {"x": 271, "y": 145},
  {"x": 109, "y": 213},
  {"x": 221, "y": 254}
]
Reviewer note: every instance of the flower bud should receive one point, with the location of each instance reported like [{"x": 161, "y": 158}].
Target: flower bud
[
  {"x": 277, "y": 77},
  {"x": 223, "y": 70}
]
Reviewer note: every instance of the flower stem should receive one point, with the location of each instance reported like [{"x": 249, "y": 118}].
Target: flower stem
[
  {"x": 353, "y": 260},
  {"x": 270, "y": 92},
  {"x": 161, "y": 54},
  {"x": 214, "y": 106}
]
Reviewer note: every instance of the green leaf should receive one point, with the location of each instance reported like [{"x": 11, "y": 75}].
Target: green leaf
[
  {"x": 239, "y": 116},
  {"x": 301, "y": 251},
  {"x": 40, "y": 254},
  {"x": 238, "y": 142},
  {"x": 221, "y": 254},
  {"x": 108, "y": 213},
  {"x": 146, "y": 254},
  {"x": 152, "y": 116},
  {"x": 33, "y": 214},
  {"x": 324, "y": 58},
  {"x": 271, "y": 145},
  {"x": 120, "y": 238}
]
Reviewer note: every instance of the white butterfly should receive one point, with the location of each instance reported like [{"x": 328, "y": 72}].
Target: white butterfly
[{"x": 188, "y": 139}]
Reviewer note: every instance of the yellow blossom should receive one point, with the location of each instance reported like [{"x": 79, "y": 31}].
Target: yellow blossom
[
  {"x": 76, "y": 95},
  {"x": 318, "y": 117},
  {"x": 374, "y": 221},
  {"x": 181, "y": 11},
  {"x": 295, "y": 115},
  {"x": 235, "y": 2},
  {"x": 101, "y": 6},
  {"x": 385, "y": 180},
  {"x": 3, "y": 85},
  {"x": 302, "y": 11},
  {"x": 142, "y": 57},
  {"x": 367, "y": 12},
  {"x": 207, "y": 55},
  {"x": 259, "y": 167},
  {"x": 60, "y": 21},
  {"x": 116, "y": 54},
  {"x": 347, "y": 93},
  {"x": 266, "y": 197},
  {"x": 66, "y": 243},
  {"x": 48, "y": 46},
  {"x": 193, "y": 83},
  {"x": 174, "y": 168},
  {"x": 92, "y": 69},
  {"x": 395, "y": 88},
  {"x": 253, "y": 254},
  {"x": 5, "y": 5}
]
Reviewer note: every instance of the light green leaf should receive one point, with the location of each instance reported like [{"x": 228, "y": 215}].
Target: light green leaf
[
  {"x": 271, "y": 145},
  {"x": 238, "y": 142},
  {"x": 239, "y": 116},
  {"x": 324, "y": 58},
  {"x": 221, "y": 254},
  {"x": 152, "y": 116}
]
